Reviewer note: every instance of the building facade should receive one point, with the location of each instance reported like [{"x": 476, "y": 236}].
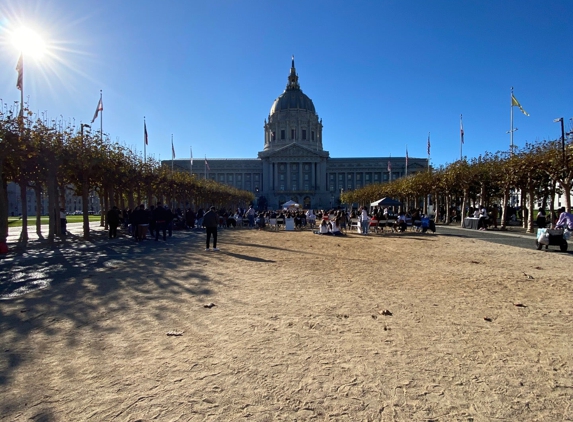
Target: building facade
[{"x": 293, "y": 164}]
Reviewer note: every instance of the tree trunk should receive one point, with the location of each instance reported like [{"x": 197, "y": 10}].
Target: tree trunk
[
  {"x": 464, "y": 204},
  {"x": 38, "y": 194},
  {"x": 3, "y": 210},
  {"x": 107, "y": 204},
  {"x": 85, "y": 201},
  {"x": 54, "y": 226},
  {"x": 24, "y": 233},
  {"x": 505, "y": 200},
  {"x": 530, "y": 194}
]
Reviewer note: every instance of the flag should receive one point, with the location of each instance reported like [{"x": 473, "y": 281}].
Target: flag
[
  {"x": 172, "y": 150},
  {"x": 98, "y": 109},
  {"x": 428, "y": 143},
  {"x": 20, "y": 70},
  {"x": 461, "y": 130},
  {"x": 191, "y": 159},
  {"x": 207, "y": 165},
  {"x": 389, "y": 166},
  {"x": 406, "y": 157},
  {"x": 145, "y": 133},
  {"x": 514, "y": 102}
]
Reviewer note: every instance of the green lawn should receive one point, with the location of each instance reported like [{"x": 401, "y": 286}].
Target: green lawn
[{"x": 16, "y": 222}]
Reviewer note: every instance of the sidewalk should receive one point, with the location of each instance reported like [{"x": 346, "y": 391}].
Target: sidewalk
[{"x": 74, "y": 230}]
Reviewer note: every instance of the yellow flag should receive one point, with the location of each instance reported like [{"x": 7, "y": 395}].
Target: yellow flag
[{"x": 514, "y": 102}]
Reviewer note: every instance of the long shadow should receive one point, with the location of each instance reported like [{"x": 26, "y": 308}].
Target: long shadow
[
  {"x": 247, "y": 257},
  {"x": 76, "y": 281}
]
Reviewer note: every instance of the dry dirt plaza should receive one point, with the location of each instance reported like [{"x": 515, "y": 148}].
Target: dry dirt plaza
[{"x": 477, "y": 332}]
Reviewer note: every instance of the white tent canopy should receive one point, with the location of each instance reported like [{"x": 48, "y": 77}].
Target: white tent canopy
[
  {"x": 388, "y": 202},
  {"x": 290, "y": 204}
]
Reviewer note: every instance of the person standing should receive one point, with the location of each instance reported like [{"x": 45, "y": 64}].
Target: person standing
[
  {"x": 541, "y": 218},
  {"x": 113, "y": 221},
  {"x": 63, "y": 221},
  {"x": 160, "y": 221},
  {"x": 251, "y": 217},
  {"x": 364, "y": 220},
  {"x": 211, "y": 221}
]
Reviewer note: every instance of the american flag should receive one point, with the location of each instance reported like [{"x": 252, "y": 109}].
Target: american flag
[{"x": 98, "y": 109}]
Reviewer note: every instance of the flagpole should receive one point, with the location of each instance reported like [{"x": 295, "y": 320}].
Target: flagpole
[
  {"x": 205, "y": 166},
  {"x": 461, "y": 137},
  {"x": 511, "y": 123},
  {"x": 406, "y": 160},
  {"x": 191, "y": 162},
  {"x": 428, "y": 151},
  {"x": 172, "y": 155},
  {"x": 101, "y": 118},
  {"x": 144, "y": 141}
]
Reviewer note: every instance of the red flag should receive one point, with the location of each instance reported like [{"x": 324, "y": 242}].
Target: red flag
[
  {"x": 98, "y": 109},
  {"x": 145, "y": 133},
  {"x": 20, "y": 70},
  {"x": 207, "y": 164}
]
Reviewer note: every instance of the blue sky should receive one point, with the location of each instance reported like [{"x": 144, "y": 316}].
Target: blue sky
[{"x": 381, "y": 74}]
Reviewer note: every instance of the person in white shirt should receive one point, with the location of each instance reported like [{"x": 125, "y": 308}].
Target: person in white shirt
[
  {"x": 364, "y": 221},
  {"x": 311, "y": 217}
]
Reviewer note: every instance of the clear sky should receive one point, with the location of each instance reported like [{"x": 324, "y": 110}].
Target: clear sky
[{"x": 381, "y": 73}]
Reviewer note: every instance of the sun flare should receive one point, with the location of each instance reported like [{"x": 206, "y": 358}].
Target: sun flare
[{"x": 29, "y": 42}]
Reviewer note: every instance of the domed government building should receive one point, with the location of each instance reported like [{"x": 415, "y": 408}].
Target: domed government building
[{"x": 293, "y": 164}]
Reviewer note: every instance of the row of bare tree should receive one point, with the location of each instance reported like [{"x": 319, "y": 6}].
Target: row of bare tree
[
  {"x": 48, "y": 159},
  {"x": 539, "y": 171}
]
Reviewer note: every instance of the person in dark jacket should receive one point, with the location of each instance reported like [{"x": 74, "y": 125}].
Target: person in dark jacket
[
  {"x": 211, "y": 221},
  {"x": 160, "y": 217},
  {"x": 113, "y": 221}
]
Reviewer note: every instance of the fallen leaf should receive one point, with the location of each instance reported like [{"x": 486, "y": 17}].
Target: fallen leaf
[
  {"x": 209, "y": 305},
  {"x": 487, "y": 319},
  {"x": 520, "y": 305}
]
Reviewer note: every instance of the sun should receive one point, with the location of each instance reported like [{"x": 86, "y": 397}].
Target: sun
[{"x": 29, "y": 42}]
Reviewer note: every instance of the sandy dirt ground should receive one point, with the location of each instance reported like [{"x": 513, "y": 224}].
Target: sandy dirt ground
[{"x": 477, "y": 332}]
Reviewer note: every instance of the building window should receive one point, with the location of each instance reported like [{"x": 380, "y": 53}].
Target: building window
[
  {"x": 312, "y": 135},
  {"x": 221, "y": 178},
  {"x": 376, "y": 176},
  {"x": 359, "y": 176},
  {"x": 230, "y": 178},
  {"x": 247, "y": 177},
  {"x": 281, "y": 177},
  {"x": 304, "y": 134},
  {"x": 306, "y": 186},
  {"x": 294, "y": 186},
  {"x": 292, "y": 132},
  {"x": 367, "y": 176},
  {"x": 282, "y": 187},
  {"x": 272, "y": 136},
  {"x": 239, "y": 178},
  {"x": 256, "y": 177},
  {"x": 306, "y": 177},
  {"x": 283, "y": 136},
  {"x": 341, "y": 177}
]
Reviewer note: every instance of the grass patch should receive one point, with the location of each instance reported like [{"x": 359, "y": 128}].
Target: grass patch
[{"x": 16, "y": 222}]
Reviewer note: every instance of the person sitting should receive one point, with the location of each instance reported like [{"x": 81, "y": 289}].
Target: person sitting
[
  {"x": 335, "y": 226},
  {"x": 400, "y": 225},
  {"x": 324, "y": 228}
]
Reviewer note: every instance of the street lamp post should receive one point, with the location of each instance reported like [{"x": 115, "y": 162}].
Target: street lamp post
[{"x": 560, "y": 119}]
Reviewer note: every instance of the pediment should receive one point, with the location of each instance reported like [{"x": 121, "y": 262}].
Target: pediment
[{"x": 294, "y": 151}]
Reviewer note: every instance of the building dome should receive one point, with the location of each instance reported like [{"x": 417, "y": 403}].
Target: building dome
[{"x": 292, "y": 98}]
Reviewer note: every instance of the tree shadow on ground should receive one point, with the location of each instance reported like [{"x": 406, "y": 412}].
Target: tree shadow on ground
[{"x": 78, "y": 281}]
